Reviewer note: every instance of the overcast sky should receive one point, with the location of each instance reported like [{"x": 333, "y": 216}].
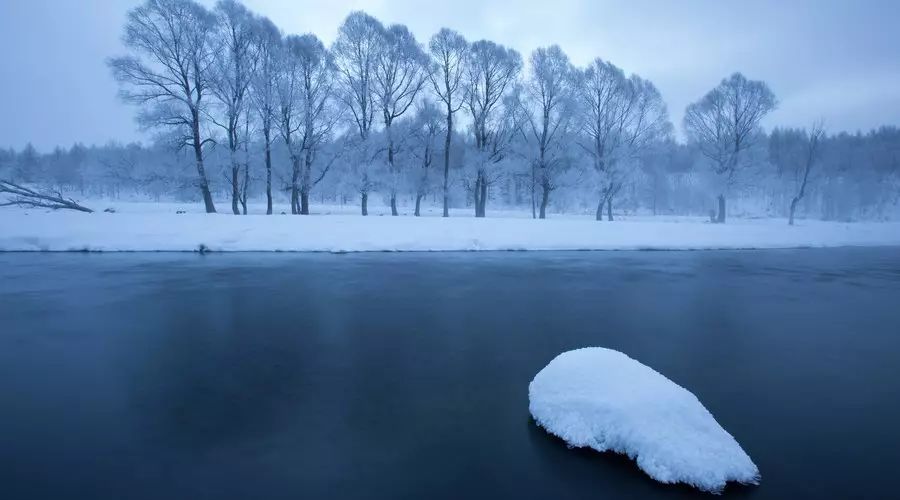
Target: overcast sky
[{"x": 838, "y": 60}]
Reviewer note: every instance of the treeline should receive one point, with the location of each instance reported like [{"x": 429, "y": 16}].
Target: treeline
[{"x": 243, "y": 111}]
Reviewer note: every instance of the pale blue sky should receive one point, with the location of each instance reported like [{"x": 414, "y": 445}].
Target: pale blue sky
[{"x": 838, "y": 60}]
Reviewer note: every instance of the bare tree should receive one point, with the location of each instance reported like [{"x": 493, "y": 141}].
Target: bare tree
[
  {"x": 169, "y": 71},
  {"x": 317, "y": 76},
  {"x": 356, "y": 49},
  {"x": 548, "y": 93},
  {"x": 23, "y": 196},
  {"x": 813, "y": 142},
  {"x": 235, "y": 65},
  {"x": 620, "y": 116},
  {"x": 264, "y": 90},
  {"x": 425, "y": 128},
  {"x": 491, "y": 70},
  {"x": 795, "y": 153},
  {"x": 245, "y": 157},
  {"x": 401, "y": 70},
  {"x": 725, "y": 123},
  {"x": 290, "y": 103},
  {"x": 449, "y": 51}
]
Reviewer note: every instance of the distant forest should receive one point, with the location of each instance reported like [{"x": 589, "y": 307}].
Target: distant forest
[{"x": 242, "y": 112}]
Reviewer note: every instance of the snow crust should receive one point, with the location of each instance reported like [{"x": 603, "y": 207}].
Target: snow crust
[
  {"x": 145, "y": 227},
  {"x": 603, "y": 399}
]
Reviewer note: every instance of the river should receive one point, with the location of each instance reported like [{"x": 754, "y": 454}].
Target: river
[{"x": 148, "y": 376}]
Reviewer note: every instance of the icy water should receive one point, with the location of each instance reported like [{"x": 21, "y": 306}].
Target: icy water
[{"x": 152, "y": 376}]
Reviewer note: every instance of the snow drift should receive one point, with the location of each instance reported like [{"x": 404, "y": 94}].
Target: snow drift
[{"x": 600, "y": 398}]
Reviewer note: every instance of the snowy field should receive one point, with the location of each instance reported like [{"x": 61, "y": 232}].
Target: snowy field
[{"x": 158, "y": 227}]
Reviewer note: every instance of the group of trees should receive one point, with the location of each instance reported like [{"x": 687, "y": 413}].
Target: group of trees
[
  {"x": 372, "y": 99},
  {"x": 461, "y": 122},
  {"x": 852, "y": 176}
]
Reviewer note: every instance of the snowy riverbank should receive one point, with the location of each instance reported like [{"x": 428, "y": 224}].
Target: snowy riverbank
[{"x": 148, "y": 227}]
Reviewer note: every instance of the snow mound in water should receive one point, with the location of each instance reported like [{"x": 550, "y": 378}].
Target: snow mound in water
[{"x": 603, "y": 399}]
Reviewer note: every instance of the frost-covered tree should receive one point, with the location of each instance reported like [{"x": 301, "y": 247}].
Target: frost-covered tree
[
  {"x": 724, "y": 124},
  {"x": 289, "y": 89},
  {"x": 356, "y": 50},
  {"x": 424, "y": 130},
  {"x": 448, "y": 53},
  {"x": 491, "y": 71},
  {"x": 236, "y": 59},
  {"x": 593, "y": 140},
  {"x": 169, "y": 72},
  {"x": 620, "y": 116},
  {"x": 548, "y": 110},
  {"x": 26, "y": 166},
  {"x": 7, "y": 162},
  {"x": 318, "y": 110},
  {"x": 306, "y": 114},
  {"x": 267, "y": 43},
  {"x": 401, "y": 70}
]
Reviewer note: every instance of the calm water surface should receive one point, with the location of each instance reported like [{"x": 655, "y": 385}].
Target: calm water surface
[{"x": 150, "y": 376}]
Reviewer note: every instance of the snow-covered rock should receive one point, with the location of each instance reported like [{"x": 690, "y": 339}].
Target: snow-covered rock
[{"x": 603, "y": 399}]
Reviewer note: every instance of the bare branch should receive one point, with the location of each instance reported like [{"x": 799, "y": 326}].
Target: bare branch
[{"x": 23, "y": 196}]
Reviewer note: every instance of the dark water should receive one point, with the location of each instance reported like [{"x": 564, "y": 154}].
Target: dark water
[{"x": 160, "y": 376}]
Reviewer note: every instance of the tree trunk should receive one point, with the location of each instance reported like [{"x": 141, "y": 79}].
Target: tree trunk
[
  {"x": 793, "y": 208},
  {"x": 201, "y": 171},
  {"x": 204, "y": 189},
  {"x": 418, "y": 204},
  {"x": 477, "y": 194},
  {"x": 304, "y": 202},
  {"x": 268, "y": 176},
  {"x": 599, "y": 214},
  {"x": 364, "y": 203},
  {"x": 391, "y": 167},
  {"x": 609, "y": 216},
  {"x": 447, "y": 161},
  {"x": 545, "y": 199},
  {"x": 306, "y": 183},
  {"x": 245, "y": 188},
  {"x": 483, "y": 197},
  {"x": 721, "y": 217},
  {"x": 295, "y": 187},
  {"x": 235, "y": 187}
]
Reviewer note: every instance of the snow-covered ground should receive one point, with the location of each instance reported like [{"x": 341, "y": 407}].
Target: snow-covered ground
[
  {"x": 157, "y": 227},
  {"x": 603, "y": 399}
]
